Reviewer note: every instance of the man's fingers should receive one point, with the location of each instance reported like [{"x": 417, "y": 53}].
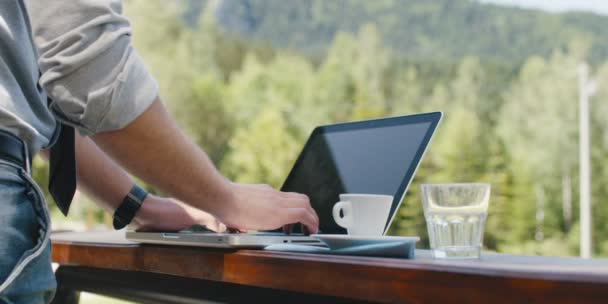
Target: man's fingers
[
  {"x": 297, "y": 200},
  {"x": 296, "y": 206},
  {"x": 311, "y": 212},
  {"x": 222, "y": 228},
  {"x": 301, "y": 215},
  {"x": 288, "y": 229},
  {"x": 305, "y": 230}
]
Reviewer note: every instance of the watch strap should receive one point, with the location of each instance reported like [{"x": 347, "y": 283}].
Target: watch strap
[{"x": 125, "y": 213}]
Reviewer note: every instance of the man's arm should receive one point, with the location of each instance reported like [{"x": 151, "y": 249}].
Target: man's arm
[
  {"x": 100, "y": 85},
  {"x": 102, "y": 179},
  {"x": 153, "y": 148}
]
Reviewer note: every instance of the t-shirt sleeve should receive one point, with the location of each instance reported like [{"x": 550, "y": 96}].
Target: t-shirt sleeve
[{"x": 96, "y": 79}]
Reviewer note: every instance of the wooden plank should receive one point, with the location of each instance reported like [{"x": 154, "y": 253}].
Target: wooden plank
[{"x": 499, "y": 278}]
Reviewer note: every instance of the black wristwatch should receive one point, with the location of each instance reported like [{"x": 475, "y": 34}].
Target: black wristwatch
[{"x": 130, "y": 205}]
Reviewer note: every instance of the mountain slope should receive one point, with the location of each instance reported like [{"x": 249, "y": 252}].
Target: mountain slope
[{"x": 419, "y": 29}]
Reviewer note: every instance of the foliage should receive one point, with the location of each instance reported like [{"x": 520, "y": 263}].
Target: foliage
[
  {"x": 420, "y": 29},
  {"x": 505, "y": 79}
]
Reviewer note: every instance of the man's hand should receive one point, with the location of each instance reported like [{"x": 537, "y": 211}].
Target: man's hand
[
  {"x": 168, "y": 214},
  {"x": 253, "y": 207},
  {"x": 260, "y": 207}
]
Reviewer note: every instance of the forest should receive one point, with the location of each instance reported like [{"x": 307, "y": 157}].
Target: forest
[
  {"x": 418, "y": 29},
  {"x": 250, "y": 96}
]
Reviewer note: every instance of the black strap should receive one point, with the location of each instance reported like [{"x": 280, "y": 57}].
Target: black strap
[{"x": 130, "y": 205}]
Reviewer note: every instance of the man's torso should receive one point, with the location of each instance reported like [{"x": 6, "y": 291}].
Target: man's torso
[{"x": 23, "y": 108}]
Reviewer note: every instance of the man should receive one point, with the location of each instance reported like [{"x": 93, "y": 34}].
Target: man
[{"x": 78, "y": 53}]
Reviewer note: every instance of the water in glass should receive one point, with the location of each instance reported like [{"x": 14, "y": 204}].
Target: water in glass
[{"x": 455, "y": 215}]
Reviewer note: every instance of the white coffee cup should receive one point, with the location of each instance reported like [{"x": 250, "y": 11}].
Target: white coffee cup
[{"x": 363, "y": 214}]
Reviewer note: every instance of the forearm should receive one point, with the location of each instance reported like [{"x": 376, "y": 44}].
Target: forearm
[
  {"x": 99, "y": 177},
  {"x": 150, "y": 152}
]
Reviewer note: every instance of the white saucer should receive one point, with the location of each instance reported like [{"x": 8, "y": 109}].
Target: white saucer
[{"x": 338, "y": 241}]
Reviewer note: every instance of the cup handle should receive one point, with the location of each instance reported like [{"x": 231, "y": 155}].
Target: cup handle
[{"x": 347, "y": 211}]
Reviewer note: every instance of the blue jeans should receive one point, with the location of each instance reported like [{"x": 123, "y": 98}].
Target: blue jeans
[{"x": 26, "y": 275}]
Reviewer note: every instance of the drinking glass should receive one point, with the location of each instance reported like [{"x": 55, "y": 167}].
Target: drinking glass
[{"x": 455, "y": 215}]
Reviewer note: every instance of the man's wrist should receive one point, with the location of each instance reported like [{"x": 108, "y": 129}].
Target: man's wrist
[
  {"x": 148, "y": 213},
  {"x": 129, "y": 207},
  {"x": 220, "y": 204},
  {"x": 225, "y": 201}
]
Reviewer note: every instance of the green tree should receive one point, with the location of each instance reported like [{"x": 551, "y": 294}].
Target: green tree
[
  {"x": 204, "y": 117},
  {"x": 262, "y": 152},
  {"x": 540, "y": 124},
  {"x": 275, "y": 110},
  {"x": 352, "y": 77},
  {"x": 599, "y": 156}
]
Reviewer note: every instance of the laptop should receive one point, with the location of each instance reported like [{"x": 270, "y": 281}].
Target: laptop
[{"x": 377, "y": 156}]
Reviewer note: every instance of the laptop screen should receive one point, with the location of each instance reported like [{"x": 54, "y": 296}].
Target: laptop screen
[{"x": 371, "y": 157}]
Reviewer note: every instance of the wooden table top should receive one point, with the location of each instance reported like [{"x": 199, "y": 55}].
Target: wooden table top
[{"x": 496, "y": 278}]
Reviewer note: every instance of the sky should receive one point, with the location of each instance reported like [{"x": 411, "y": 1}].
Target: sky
[{"x": 596, "y": 6}]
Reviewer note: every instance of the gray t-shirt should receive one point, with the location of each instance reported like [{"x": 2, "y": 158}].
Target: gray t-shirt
[{"x": 79, "y": 53}]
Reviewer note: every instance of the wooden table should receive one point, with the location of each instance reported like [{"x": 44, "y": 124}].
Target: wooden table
[{"x": 106, "y": 263}]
